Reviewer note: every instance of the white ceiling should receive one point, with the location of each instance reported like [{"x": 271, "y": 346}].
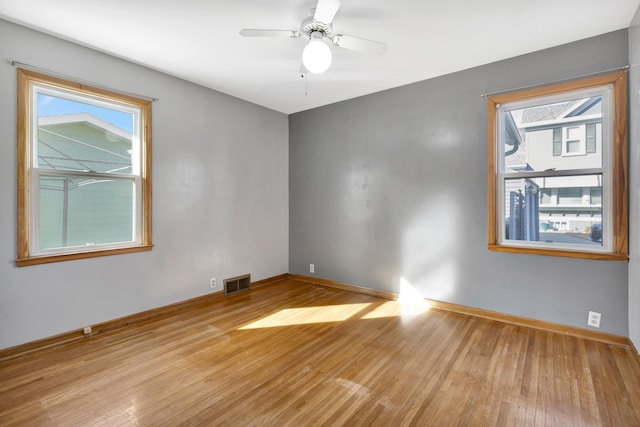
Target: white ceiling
[{"x": 198, "y": 40}]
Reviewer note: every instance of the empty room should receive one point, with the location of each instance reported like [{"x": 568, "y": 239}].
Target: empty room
[{"x": 320, "y": 212}]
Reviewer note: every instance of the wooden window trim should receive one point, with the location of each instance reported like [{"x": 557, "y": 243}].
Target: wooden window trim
[
  {"x": 24, "y": 80},
  {"x": 619, "y": 196}
]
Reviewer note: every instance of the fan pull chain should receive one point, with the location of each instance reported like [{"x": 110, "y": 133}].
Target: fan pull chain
[{"x": 306, "y": 83}]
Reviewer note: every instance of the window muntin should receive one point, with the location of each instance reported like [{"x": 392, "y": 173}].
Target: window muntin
[
  {"x": 84, "y": 171},
  {"x": 558, "y": 169}
]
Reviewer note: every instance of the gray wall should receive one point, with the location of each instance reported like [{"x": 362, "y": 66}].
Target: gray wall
[
  {"x": 220, "y": 198},
  {"x": 634, "y": 173},
  {"x": 393, "y": 186},
  {"x": 384, "y": 187}
]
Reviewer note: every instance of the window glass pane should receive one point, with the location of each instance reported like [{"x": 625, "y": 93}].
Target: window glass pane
[
  {"x": 596, "y": 196},
  {"x": 591, "y": 138},
  {"x": 532, "y": 137},
  {"x": 79, "y": 136},
  {"x": 557, "y": 141},
  {"x": 570, "y": 196},
  {"x": 574, "y": 133},
  {"x": 84, "y": 211},
  {"x": 573, "y": 146},
  {"x": 545, "y": 196},
  {"x": 531, "y": 213}
]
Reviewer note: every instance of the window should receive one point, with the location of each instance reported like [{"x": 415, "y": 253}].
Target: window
[
  {"x": 84, "y": 171},
  {"x": 569, "y": 195},
  {"x": 573, "y": 140},
  {"x": 546, "y": 202}
]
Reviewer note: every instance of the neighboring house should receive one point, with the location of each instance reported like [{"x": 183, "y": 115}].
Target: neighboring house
[
  {"x": 73, "y": 207},
  {"x": 565, "y": 135}
]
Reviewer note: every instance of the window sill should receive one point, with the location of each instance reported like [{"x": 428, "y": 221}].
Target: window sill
[
  {"x": 45, "y": 259},
  {"x": 560, "y": 253}
]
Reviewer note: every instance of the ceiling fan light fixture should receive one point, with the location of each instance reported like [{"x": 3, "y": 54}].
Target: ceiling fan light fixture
[{"x": 316, "y": 55}]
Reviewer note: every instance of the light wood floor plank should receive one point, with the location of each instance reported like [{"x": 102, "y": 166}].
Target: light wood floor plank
[{"x": 295, "y": 353}]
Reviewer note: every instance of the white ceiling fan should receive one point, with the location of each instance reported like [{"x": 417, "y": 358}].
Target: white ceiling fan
[{"x": 316, "y": 27}]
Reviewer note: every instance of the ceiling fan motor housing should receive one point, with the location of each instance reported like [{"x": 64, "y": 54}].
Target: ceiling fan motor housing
[{"x": 310, "y": 25}]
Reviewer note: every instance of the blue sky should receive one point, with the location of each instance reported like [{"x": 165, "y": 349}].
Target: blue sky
[{"x": 51, "y": 106}]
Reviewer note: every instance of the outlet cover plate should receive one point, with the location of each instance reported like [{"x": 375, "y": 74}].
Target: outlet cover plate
[{"x": 594, "y": 319}]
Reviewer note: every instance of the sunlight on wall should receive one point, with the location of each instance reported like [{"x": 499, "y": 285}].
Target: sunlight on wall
[
  {"x": 410, "y": 299},
  {"x": 410, "y": 303},
  {"x": 308, "y": 315},
  {"x": 429, "y": 248}
]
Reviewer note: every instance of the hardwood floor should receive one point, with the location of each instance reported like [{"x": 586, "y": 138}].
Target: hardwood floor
[{"x": 294, "y": 353}]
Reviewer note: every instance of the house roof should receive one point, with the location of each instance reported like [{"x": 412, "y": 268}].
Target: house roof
[
  {"x": 83, "y": 142},
  {"x": 549, "y": 113},
  {"x": 86, "y": 118},
  {"x": 546, "y": 112}
]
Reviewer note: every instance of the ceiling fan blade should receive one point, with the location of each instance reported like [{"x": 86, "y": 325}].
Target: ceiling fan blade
[
  {"x": 326, "y": 10},
  {"x": 361, "y": 45},
  {"x": 250, "y": 32}
]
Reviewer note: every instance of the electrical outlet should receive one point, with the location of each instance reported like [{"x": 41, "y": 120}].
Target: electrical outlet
[
  {"x": 87, "y": 330},
  {"x": 312, "y": 268},
  {"x": 212, "y": 283},
  {"x": 594, "y": 319}
]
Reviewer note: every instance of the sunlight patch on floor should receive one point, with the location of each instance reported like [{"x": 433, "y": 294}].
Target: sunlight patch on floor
[{"x": 308, "y": 315}]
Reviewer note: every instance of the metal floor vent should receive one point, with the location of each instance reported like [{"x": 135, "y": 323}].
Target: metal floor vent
[{"x": 237, "y": 284}]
